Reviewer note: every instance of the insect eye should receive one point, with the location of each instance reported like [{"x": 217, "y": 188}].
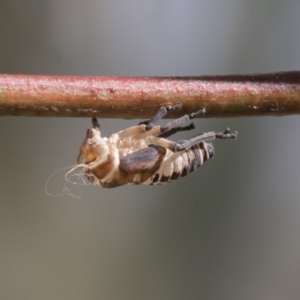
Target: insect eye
[{"x": 80, "y": 158}]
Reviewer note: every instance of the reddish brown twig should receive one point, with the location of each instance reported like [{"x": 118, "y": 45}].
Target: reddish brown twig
[{"x": 113, "y": 97}]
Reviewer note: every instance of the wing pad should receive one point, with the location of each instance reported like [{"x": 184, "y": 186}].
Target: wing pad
[{"x": 147, "y": 159}]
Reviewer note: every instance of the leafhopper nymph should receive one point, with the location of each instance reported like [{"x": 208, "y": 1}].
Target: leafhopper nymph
[{"x": 143, "y": 154}]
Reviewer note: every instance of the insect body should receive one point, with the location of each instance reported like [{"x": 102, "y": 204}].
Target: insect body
[{"x": 143, "y": 154}]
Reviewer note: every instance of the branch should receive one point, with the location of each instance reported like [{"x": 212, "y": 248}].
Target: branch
[{"x": 115, "y": 97}]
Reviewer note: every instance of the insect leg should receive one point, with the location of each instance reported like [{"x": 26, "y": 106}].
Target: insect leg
[
  {"x": 226, "y": 134},
  {"x": 209, "y": 136},
  {"x": 174, "y": 126},
  {"x": 176, "y": 129},
  {"x": 159, "y": 115}
]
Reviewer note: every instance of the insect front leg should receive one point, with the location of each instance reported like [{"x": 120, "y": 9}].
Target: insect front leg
[
  {"x": 177, "y": 129},
  {"x": 171, "y": 127},
  {"x": 174, "y": 126},
  {"x": 160, "y": 114}
]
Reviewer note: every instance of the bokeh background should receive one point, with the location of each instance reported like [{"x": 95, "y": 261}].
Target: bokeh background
[{"x": 229, "y": 231}]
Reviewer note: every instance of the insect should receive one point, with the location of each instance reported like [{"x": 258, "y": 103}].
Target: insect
[{"x": 143, "y": 154}]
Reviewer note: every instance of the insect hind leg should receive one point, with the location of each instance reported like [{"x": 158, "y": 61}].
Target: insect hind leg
[{"x": 204, "y": 137}]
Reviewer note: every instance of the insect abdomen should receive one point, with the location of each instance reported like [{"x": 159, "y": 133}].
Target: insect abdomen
[{"x": 180, "y": 164}]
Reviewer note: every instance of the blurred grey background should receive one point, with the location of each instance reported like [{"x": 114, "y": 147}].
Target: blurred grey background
[{"x": 229, "y": 231}]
